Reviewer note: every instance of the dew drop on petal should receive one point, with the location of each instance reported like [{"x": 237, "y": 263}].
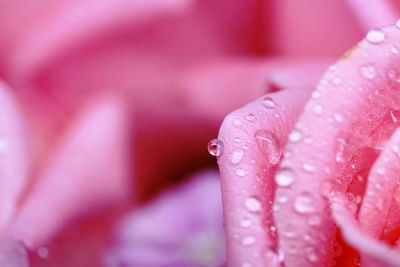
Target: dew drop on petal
[
  {"x": 42, "y": 252},
  {"x": 268, "y": 102},
  {"x": 236, "y": 156},
  {"x": 308, "y": 167},
  {"x": 316, "y": 94},
  {"x": 253, "y": 204},
  {"x": 240, "y": 172},
  {"x": 295, "y": 135},
  {"x": 318, "y": 109},
  {"x": 236, "y": 122},
  {"x": 248, "y": 240},
  {"x": 398, "y": 24},
  {"x": 269, "y": 146},
  {"x": 375, "y": 36},
  {"x": 368, "y": 72},
  {"x": 284, "y": 177},
  {"x": 303, "y": 203},
  {"x": 394, "y": 50},
  {"x": 215, "y": 147},
  {"x": 245, "y": 223},
  {"x": 250, "y": 117}
]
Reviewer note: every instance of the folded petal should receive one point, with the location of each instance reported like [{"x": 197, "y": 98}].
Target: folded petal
[
  {"x": 88, "y": 170},
  {"x": 373, "y": 252},
  {"x": 349, "y": 116},
  {"x": 14, "y": 159},
  {"x": 174, "y": 229}
]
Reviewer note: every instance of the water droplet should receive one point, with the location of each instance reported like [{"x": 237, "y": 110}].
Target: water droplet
[
  {"x": 240, "y": 172},
  {"x": 246, "y": 264},
  {"x": 375, "y": 36},
  {"x": 318, "y": 109},
  {"x": 248, "y": 240},
  {"x": 236, "y": 156},
  {"x": 396, "y": 149},
  {"x": 308, "y": 167},
  {"x": 4, "y": 146},
  {"x": 337, "y": 250},
  {"x": 338, "y": 117},
  {"x": 311, "y": 255},
  {"x": 269, "y": 146},
  {"x": 268, "y": 102},
  {"x": 250, "y": 117},
  {"x": 215, "y": 147},
  {"x": 304, "y": 203},
  {"x": 238, "y": 140},
  {"x": 253, "y": 204},
  {"x": 284, "y": 177},
  {"x": 289, "y": 231},
  {"x": 398, "y": 24},
  {"x": 295, "y": 136},
  {"x": 337, "y": 80},
  {"x": 42, "y": 252},
  {"x": 368, "y": 72},
  {"x": 282, "y": 199},
  {"x": 394, "y": 50},
  {"x": 245, "y": 223},
  {"x": 237, "y": 122},
  {"x": 316, "y": 94}
]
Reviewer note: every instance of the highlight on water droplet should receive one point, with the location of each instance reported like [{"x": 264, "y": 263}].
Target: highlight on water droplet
[
  {"x": 253, "y": 204},
  {"x": 375, "y": 36},
  {"x": 215, "y": 147},
  {"x": 295, "y": 135},
  {"x": 284, "y": 177},
  {"x": 269, "y": 146},
  {"x": 268, "y": 102}
]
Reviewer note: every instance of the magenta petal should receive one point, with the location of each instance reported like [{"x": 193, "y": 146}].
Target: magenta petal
[
  {"x": 373, "y": 252},
  {"x": 182, "y": 228},
  {"x": 89, "y": 169},
  {"x": 13, "y": 155},
  {"x": 247, "y": 168}
]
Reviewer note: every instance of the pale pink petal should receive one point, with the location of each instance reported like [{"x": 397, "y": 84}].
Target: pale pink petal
[
  {"x": 13, "y": 155},
  {"x": 247, "y": 169},
  {"x": 348, "y": 116},
  {"x": 87, "y": 170},
  {"x": 373, "y": 252},
  {"x": 181, "y": 227},
  {"x": 383, "y": 182}
]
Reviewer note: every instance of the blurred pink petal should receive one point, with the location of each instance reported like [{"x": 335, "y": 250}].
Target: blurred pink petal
[
  {"x": 350, "y": 111},
  {"x": 373, "y": 252},
  {"x": 181, "y": 227},
  {"x": 13, "y": 253},
  {"x": 88, "y": 170},
  {"x": 14, "y": 158}
]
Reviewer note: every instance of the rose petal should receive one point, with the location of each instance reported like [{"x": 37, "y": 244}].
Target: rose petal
[
  {"x": 174, "y": 230},
  {"x": 88, "y": 170},
  {"x": 13, "y": 155},
  {"x": 373, "y": 252},
  {"x": 350, "y": 111}
]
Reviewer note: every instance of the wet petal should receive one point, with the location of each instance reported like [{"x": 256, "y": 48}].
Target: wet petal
[
  {"x": 88, "y": 169},
  {"x": 350, "y": 112},
  {"x": 174, "y": 230}
]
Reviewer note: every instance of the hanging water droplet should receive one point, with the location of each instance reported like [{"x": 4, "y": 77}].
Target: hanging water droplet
[
  {"x": 269, "y": 146},
  {"x": 303, "y": 203},
  {"x": 215, "y": 147},
  {"x": 295, "y": 136},
  {"x": 245, "y": 223},
  {"x": 42, "y": 252},
  {"x": 284, "y": 177},
  {"x": 240, "y": 172},
  {"x": 368, "y": 72},
  {"x": 248, "y": 240},
  {"x": 250, "y": 117},
  {"x": 253, "y": 204},
  {"x": 375, "y": 36},
  {"x": 268, "y": 102},
  {"x": 236, "y": 156}
]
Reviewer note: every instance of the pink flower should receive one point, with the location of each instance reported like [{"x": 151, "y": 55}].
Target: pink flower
[{"x": 310, "y": 177}]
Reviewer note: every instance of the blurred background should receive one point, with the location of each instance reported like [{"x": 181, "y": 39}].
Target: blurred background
[{"x": 116, "y": 102}]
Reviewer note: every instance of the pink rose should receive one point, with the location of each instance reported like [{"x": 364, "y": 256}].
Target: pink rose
[{"x": 317, "y": 185}]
